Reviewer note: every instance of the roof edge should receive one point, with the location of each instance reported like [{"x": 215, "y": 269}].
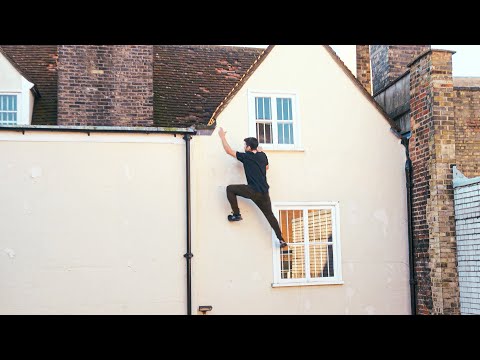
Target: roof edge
[
  {"x": 239, "y": 84},
  {"x": 334, "y": 56},
  {"x": 117, "y": 129}
]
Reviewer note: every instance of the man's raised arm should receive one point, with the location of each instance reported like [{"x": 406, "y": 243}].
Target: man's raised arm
[{"x": 227, "y": 147}]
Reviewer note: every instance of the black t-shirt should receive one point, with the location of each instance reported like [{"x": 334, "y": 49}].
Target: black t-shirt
[{"x": 255, "y": 169}]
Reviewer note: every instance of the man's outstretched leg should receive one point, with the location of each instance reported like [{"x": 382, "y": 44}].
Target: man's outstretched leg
[
  {"x": 264, "y": 204},
  {"x": 232, "y": 192}
]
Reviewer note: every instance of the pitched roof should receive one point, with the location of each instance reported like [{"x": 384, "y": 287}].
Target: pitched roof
[
  {"x": 191, "y": 80},
  {"x": 38, "y": 64},
  {"x": 335, "y": 57},
  {"x": 192, "y": 84},
  {"x": 239, "y": 84}
]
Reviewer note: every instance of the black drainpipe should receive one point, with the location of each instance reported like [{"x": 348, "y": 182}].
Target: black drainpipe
[
  {"x": 189, "y": 254},
  {"x": 411, "y": 249}
]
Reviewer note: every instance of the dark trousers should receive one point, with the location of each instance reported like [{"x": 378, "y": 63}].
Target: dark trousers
[{"x": 262, "y": 200}]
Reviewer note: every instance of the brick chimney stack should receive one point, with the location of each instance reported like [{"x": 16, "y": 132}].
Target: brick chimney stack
[
  {"x": 363, "y": 67},
  {"x": 391, "y": 61},
  {"x": 105, "y": 85},
  {"x": 433, "y": 153}
]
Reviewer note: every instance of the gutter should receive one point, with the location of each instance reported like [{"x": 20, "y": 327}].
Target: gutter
[
  {"x": 411, "y": 249},
  {"x": 107, "y": 129}
]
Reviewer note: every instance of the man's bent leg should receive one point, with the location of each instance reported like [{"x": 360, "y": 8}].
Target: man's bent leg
[{"x": 240, "y": 190}]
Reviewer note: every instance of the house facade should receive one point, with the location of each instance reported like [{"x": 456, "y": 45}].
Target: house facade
[{"x": 98, "y": 205}]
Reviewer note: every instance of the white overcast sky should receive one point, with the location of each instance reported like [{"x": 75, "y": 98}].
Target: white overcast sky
[{"x": 466, "y": 60}]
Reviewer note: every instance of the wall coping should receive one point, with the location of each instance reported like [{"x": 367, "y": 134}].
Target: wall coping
[{"x": 428, "y": 52}]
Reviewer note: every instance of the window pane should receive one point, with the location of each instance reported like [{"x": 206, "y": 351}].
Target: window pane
[
  {"x": 261, "y": 133},
  {"x": 264, "y": 133},
  {"x": 320, "y": 225},
  {"x": 330, "y": 261},
  {"x": 286, "y": 130},
  {"x": 286, "y": 264},
  {"x": 321, "y": 248},
  {"x": 292, "y": 264},
  {"x": 8, "y": 108},
  {"x": 259, "y": 108},
  {"x": 285, "y": 133},
  {"x": 268, "y": 134},
  {"x": 290, "y": 116},
  {"x": 284, "y": 109},
  {"x": 291, "y": 224},
  {"x": 268, "y": 108},
  {"x": 279, "y": 109},
  {"x": 280, "y": 134},
  {"x": 298, "y": 262},
  {"x": 263, "y": 108},
  {"x": 292, "y": 261},
  {"x": 321, "y": 261}
]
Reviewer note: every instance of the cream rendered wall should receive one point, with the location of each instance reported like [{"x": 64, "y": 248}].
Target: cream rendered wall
[
  {"x": 92, "y": 224},
  {"x": 350, "y": 156},
  {"x": 10, "y": 79}
]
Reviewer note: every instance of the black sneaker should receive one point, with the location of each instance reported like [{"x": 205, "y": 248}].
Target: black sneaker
[
  {"x": 283, "y": 244},
  {"x": 235, "y": 217}
]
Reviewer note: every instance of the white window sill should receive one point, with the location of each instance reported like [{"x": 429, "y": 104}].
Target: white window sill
[
  {"x": 283, "y": 150},
  {"x": 275, "y": 285}
]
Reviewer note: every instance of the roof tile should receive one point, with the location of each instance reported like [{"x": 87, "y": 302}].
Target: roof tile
[{"x": 191, "y": 80}]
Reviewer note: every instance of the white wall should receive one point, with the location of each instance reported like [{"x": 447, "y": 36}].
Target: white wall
[
  {"x": 10, "y": 79},
  {"x": 92, "y": 224}
]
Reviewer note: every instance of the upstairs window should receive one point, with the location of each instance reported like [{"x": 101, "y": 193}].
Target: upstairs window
[
  {"x": 274, "y": 121},
  {"x": 8, "y": 109}
]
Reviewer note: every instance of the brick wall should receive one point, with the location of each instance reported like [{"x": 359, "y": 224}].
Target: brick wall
[
  {"x": 399, "y": 56},
  {"x": 467, "y": 130},
  {"x": 432, "y": 149},
  {"x": 363, "y": 67},
  {"x": 391, "y": 61},
  {"x": 467, "y": 219},
  {"x": 105, "y": 85},
  {"x": 379, "y": 63}
]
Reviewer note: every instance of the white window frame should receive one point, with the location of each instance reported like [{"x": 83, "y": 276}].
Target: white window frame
[
  {"x": 337, "y": 260},
  {"x": 252, "y": 94},
  {"x": 18, "y": 94}
]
